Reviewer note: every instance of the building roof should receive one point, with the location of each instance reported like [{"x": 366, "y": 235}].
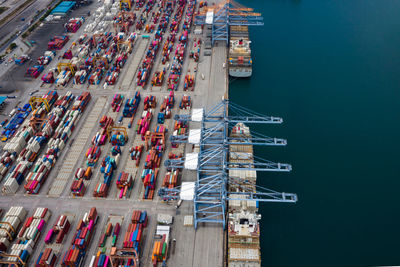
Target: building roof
[
  {"x": 63, "y": 8},
  {"x": 2, "y": 99}
]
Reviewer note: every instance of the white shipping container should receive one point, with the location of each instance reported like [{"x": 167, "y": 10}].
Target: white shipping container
[
  {"x": 30, "y": 244},
  {"x": 13, "y": 221},
  {"x": 16, "y": 211},
  {"x": 3, "y": 233},
  {"x": 92, "y": 261},
  {"x": 164, "y": 218},
  {"x": 21, "y": 141},
  {"x": 37, "y": 213},
  {"x": 49, "y": 260},
  {"x": 61, "y": 145},
  {"x": 50, "y": 143},
  {"x": 117, "y": 159},
  {"x": 5, "y": 241},
  {"x": 3, "y": 170},
  {"x": 35, "y": 147},
  {"x": 85, "y": 217},
  {"x": 10, "y": 186}
]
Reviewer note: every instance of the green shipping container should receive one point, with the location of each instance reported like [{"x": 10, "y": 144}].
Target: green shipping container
[
  {"x": 164, "y": 249},
  {"x": 114, "y": 241}
]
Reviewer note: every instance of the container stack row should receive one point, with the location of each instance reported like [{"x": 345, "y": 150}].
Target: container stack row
[
  {"x": 168, "y": 105},
  {"x": 124, "y": 184},
  {"x": 42, "y": 167},
  {"x": 25, "y": 145},
  {"x": 108, "y": 166},
  {"x": 18, "y": 116},
  {"x": 58, "y": 231},
  {"x": 160, "y": 247},
  {"x": 136, "y": 153},
  {"x": 148, "y": 62},
  {"x": 134, "y": 233},
  {"x": 29, "y": 235},
  {"x": 81, "y": 241},
  {"x": 74, "y": 24}
]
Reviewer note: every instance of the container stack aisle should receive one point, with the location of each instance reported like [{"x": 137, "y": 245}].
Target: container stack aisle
[
  {"x": 132, "y": 167},
  {"x": 136, "y": 58},
  {"x": 74, "y": 38},
  {"x": 82, "y": 239},
  {"x": 129, "y": 115},
  {"x": 11, "y": 223},
  {"x": 46, "y": 131},
  {"x": 180, "y": 149},
  {"x": 54, "y": 239},
  {"x": 130, "y": 75},
  {"x": 10, "y": 152},
  {"x": 173, "y": 177},
  {"x": 29, "y": 235},
  {"x": 161, "y": 244},
  {"x": 109, "y": 236},
  {"x": 75, "y": 152},
  {"x": 69, "y": 108},
  {"x": 90, "y": 184},
  {"x": 174, "y": 56},
  {"x": 193, "y": 57},
  {"x": 152, "y": 157},
  {"x": 135, "y": 234},
  {"x": 164, "y": 30}
]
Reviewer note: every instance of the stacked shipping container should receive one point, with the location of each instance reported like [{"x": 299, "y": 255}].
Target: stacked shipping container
[
  {"x": 243, "y": 220},
  {"x": 81, "y": 241}
]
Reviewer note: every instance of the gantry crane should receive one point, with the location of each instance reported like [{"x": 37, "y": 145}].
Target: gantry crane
[
  {"x": 4, "y": 260},
  {"x": 211, "y": 190},
  {"x": 126, "y": 2},
  {"x": 4, "y": 257},
  {"x": 124, "y": 254},
  {"x": 13, "y": 232},
  {"x": 37, "y": 122},
  {"x": 34, "y": 101},
  {"x": 67, "y": 65},
  {"x": 119, "y": 43},
  {"x": 124, "y": 19},
  {"x": 101, "y": 59},
  {"x": 227, "y": 13},
  {"x": 153, "y": 136},
  {"x": 94, "y": 36},
  {"x": 121, "y": 129}
]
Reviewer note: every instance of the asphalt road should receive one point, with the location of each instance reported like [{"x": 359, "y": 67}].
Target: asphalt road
[
  {"x": 17, "y": 24},
  {"x": 15, "y": 78}
]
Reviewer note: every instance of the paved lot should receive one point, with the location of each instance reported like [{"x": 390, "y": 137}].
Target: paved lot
[{"x": 203, "y": 247}]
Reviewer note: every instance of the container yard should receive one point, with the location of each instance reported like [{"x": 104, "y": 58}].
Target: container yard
[{"x": 85, "y": 143}]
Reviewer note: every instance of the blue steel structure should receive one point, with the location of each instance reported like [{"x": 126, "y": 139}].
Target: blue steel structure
[
  {"x": 229, "y": 13},
  {"x": 211, "y": 193}
]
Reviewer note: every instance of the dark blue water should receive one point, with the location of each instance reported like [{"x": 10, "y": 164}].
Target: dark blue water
[{"x": 331, "y": 69}]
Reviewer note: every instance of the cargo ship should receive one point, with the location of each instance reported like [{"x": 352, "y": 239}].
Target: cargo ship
[
  {"x": 239, "y": 63},
  {"x": 243, "y": 218}
]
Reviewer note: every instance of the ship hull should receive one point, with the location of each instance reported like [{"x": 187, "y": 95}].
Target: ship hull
[{"x": 240, "y": 73}]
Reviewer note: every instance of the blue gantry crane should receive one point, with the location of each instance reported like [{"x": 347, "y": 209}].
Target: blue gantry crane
[
  {"x": 211, "y": 190},
  {"x": 227, "y": 13}
]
